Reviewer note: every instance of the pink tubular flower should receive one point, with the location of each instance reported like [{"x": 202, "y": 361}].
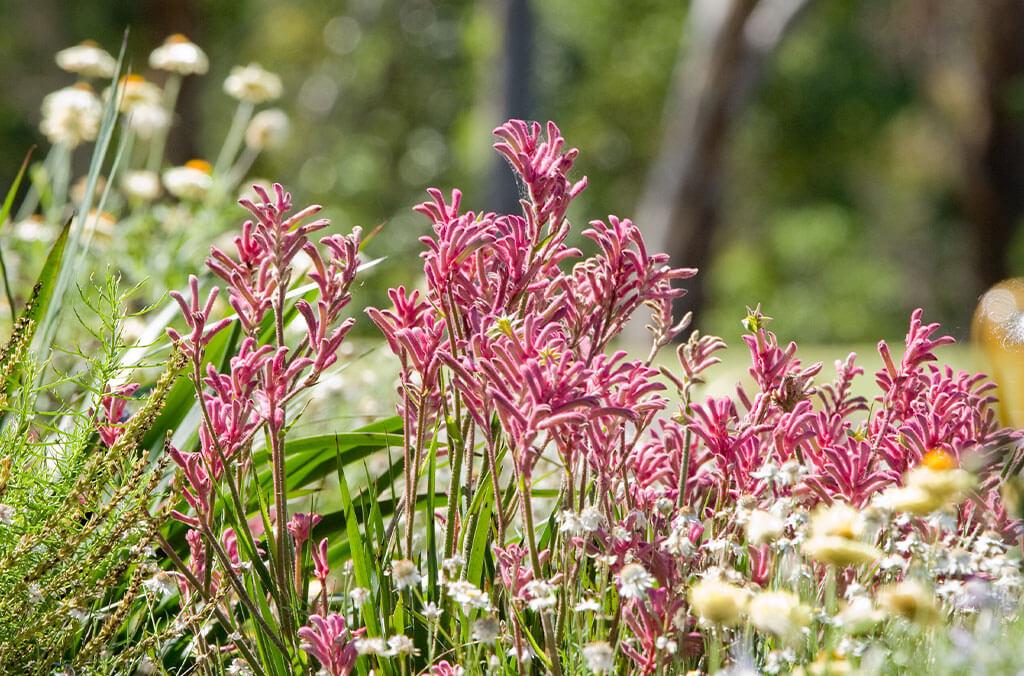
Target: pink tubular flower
[
  {"x": 229, "y": 540},
  {"x": 333, "y": 280},
  {"x": 414, "y": 333},
  {"x": 321, "y": 566},
  {"x": 196, "y": 318},
  {"x": 609, "y": 287},
  {"x": 514, "y": 568},
  {"x": 444, "y": 668},
  {"x": 196, "y": 566},
  {"x": 112, "y": 406},
  {"x": 648, "y": 619},
  {"x": 265, "y": 249},
  {"x": 199, "y": 491},
  {"x": 542, "y": 166},
  {"x": 695, "y": 356},
  {"x": 331, "y": 643},
  {"x": 301, "y": 525},
  {"x": 279, "y": 376}
]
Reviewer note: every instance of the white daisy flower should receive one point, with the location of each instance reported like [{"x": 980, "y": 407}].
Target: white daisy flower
[
  {"x": 402, "y": 645},
  {"x": 372, "y": 646},
  {"x": 541, "y": 595},
  {"x": 486, "y": 630},
  {"x": 634, "y": 581},
  {"x": 267, "y": 130},
  {"x": 34, "y": 229},
  {"x": 600, "y": 657},
  {"x": 468, "y": 595},
  {"x": 71, "y": 115},
  {"x": 179, "y": 55},
  {"x": 404, "y": 574},
  {"x": 190, "y": 182},
  {"x": 358, "y": 595},
  {"x": 253, "y": 84},
  {"x": 87, "y": 59},
  {"x": 148, "y": 119},
  {"x": 135, "y": 91},
  {"x": 141, "y": 186}
]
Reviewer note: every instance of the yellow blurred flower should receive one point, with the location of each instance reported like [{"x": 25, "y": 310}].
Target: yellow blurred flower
[
  {"x": 719, "y": 602},
  {"x": 910, "y": 600},
  {"x": 835, "y": 533},
  {"x": 779, "y": 613},
  {"x": 936, "y": 483}
]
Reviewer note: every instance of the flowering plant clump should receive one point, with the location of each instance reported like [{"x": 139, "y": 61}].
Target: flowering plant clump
[
  {"x": 674, "y": 525},
  {"x": 247, "y": 402},
  {"x": 583, "y": 509}
]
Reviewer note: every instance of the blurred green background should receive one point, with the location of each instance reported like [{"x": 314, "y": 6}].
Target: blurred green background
[{"x": 839, "y": 161}]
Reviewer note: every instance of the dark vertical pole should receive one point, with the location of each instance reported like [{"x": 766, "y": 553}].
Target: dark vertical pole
[
  {"x": 160, "y": 19},
  {"x": 516, "y": 77}
]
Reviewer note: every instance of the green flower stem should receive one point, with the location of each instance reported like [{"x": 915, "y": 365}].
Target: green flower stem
[
  {"x": 233, "y": 141},
  {"x": 550, "y": 645},
  {"x": 156, "y": 150}
]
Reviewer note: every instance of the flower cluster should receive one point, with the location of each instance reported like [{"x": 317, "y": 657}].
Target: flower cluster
[
  {"x": 579, "y": 513},
  {"x": 248, "y": 403},
  {"x": 679, "y": 522}
]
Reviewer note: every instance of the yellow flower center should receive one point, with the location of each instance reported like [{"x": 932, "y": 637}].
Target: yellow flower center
[
  {"x": 938, "y": 460},
  {"x": 177, "y": 38},
  {"x": 200, "y": 165}
]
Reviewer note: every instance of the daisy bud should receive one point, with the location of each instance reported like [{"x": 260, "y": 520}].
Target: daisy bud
[
  {"x": 135, "y": 91},
  {"x": 764, "y": 527},
  {"x": 71, "y": 116},
  {"x": 141, "y": 186},
  {"x": 149, "y": 119},
  {"x": 835, "y": 533},
  {"x": 860, "y": 616},
  {"x": 910, "y": 600}
]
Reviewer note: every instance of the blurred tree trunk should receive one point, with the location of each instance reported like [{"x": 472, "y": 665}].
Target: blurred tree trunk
[
  {"x": 722, "y": 55},
  {"x": 516, "y": 70},
  {"x": 159, "y": 19},
  {"x": 994, "y": 194}
]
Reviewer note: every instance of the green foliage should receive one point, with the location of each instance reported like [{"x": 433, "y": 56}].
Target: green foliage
[{"x": 80, "y": 516}]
